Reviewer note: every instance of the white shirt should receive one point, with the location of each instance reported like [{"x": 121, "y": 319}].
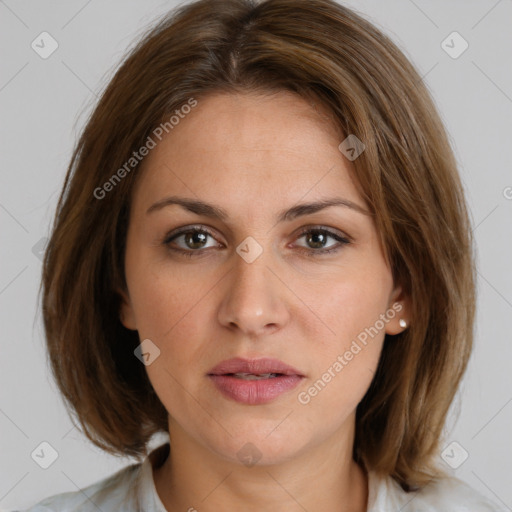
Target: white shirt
[{"x": 132, "y": 489}]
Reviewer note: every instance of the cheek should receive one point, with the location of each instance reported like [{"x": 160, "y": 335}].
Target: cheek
[
  {"x": 347, "y": 302},
  {"x": 164, "y": 297},
  {"x": 335, "y": 392},
  {"x": 344, "y": 363},
  {"x": 347, "y": 355},
  {"x": 171, "y": 311}
]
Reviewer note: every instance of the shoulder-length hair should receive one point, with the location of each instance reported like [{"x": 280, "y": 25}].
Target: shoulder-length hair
[{"x": 407, "y": 175}]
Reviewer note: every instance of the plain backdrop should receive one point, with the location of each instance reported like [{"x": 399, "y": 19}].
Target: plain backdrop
[{"x": 44, "y": 103}]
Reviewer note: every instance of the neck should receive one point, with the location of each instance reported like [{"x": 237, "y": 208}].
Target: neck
[{"x": 321, "y": 479}]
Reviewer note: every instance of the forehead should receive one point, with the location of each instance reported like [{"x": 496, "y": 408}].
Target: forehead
[{"x": 240, "y": 148}]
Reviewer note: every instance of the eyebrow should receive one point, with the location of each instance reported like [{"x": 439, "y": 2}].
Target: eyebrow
[{"x": 216, "y": 212}]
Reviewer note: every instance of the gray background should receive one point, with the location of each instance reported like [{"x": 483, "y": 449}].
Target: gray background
[{"x": 44, "y": 103}]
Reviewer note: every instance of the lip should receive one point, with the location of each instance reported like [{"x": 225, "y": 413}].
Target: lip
[
  {"x": 256, "y": 366},
  {"x": 254, "y": 392}
]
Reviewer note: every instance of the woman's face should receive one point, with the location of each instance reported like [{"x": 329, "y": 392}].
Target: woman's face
[{"x": 254, "y": 283}]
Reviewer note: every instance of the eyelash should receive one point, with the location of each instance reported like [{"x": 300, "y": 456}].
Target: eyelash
[{"x": 309, "y": 252}]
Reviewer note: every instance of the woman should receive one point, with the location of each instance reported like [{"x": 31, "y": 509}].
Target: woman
[{"x": 262, "y": 248}]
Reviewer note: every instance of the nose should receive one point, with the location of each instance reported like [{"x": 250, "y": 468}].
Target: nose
[{"x": 254, "y": 298}]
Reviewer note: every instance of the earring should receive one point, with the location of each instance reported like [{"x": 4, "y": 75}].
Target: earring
[{"x": 402, "y": 323}]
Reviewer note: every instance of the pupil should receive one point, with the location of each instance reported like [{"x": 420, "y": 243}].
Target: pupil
[
  {"x": 190, "y": 238},
  {"x": 318, "y": 244}
]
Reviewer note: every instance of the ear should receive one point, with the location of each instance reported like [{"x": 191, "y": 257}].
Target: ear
[
  {"x": 126, "y": 312},
  {"x": 399, "y": 311}
]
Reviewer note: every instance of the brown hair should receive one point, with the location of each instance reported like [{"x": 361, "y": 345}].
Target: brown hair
[{"x": 407, "y": 174}]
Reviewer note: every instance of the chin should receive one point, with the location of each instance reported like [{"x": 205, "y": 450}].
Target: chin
[{"x": 260, "y": 443}]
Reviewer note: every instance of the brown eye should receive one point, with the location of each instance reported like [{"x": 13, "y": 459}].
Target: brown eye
[
  {"x": 195, "y": 239},
  {"x": 317, "y": 240},
  {"x": 191, "y": 240}
]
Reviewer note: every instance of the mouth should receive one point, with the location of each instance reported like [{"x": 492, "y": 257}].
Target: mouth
[
  {"x": 252, "y": 376},
  {"x": 242, "y": 368},
  {"x": 254, "y": 381}
]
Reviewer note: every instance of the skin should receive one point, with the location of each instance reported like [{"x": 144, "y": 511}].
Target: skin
[{"x": 253, "y": 156}]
